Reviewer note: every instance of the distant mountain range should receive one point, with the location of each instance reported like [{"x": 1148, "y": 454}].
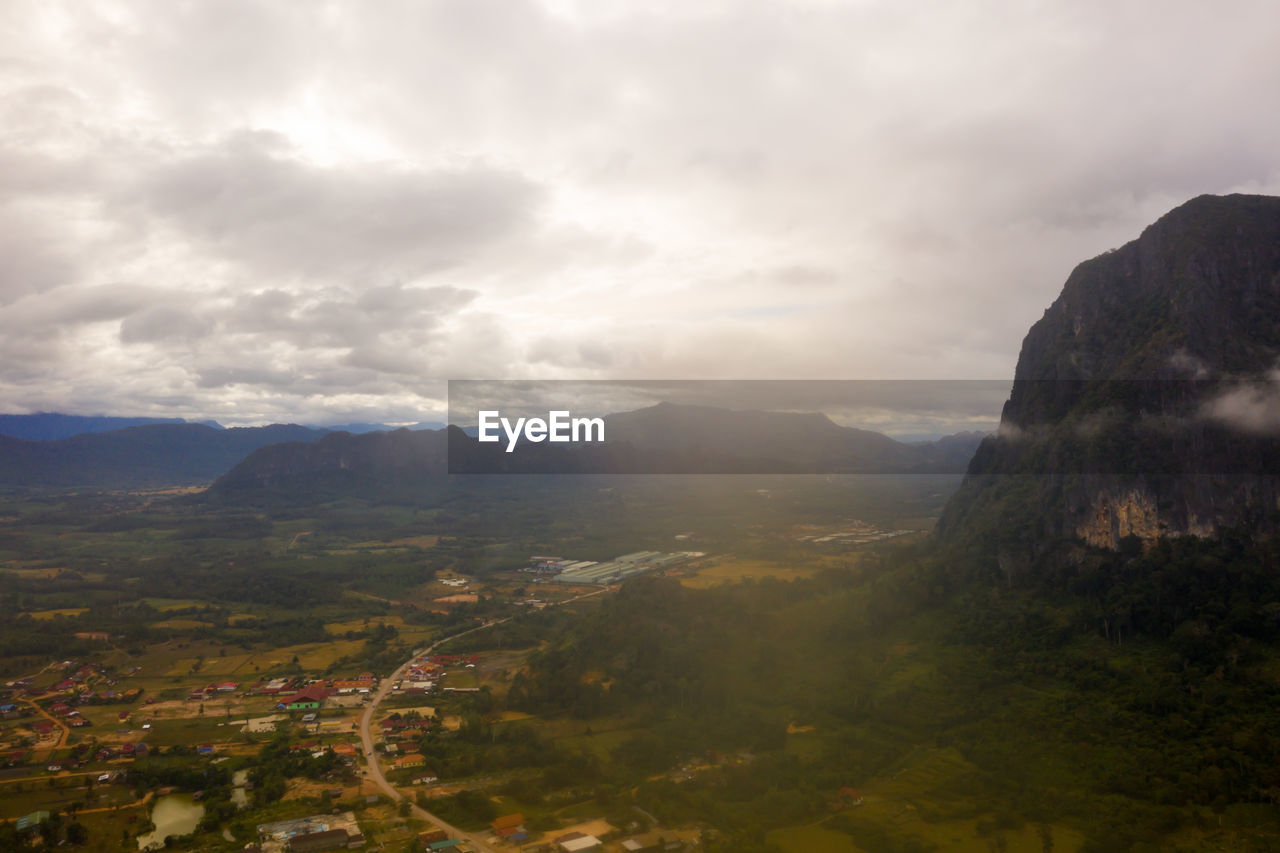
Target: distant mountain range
[
  {"x": 51, "y": 426},
  {"x": 665, "y": 438},
  {"x": 361, "y": 428},
  {"x": 60, "y": 451},
  {"x": 140, "y": 456}
]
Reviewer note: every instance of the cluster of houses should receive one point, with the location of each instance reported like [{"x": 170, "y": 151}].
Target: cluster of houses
[
  {"x": 422, "y": 676},
  {"x": 77, "y": 684},
  {"x": 58, "y": 706},
  {"x": 69, "y": 715},
  {"x": 22, "y": 687},
  {"x": 67, "y": 711},
  {"x": 396, "y": 729},
  {"x": 127, "y": 750},
  {"x": 74, "y": 686},
  {"x": 110, "y": 696},
  {"x": 295, "y": 694},
  {"x": 510, "y": 828},
  {"x": 413, "y": 761},
  {"x": 312, "y": 697},
  {"x": 210, "y": 691},
  {"x": 363, "y": 684},
  {"x": 79, "y": 675},
  {"x": 396, "y": 726},
  {"x": 104, "y": 753},
  {"x": 18, "y": 757}
]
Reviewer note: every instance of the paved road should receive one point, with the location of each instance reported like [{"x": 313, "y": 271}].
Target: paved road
[
  {"x": 375, "y": 769},
  {"x": 366, "y": 736}
]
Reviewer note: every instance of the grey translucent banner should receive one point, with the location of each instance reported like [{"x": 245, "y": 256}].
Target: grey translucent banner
[{"x": 862, "y": 427}]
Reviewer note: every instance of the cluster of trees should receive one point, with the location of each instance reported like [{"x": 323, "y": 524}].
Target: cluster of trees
[
  {"x": 277, "y": 763},
  {"x": 1148, "y": 669},
  {"x": 479, "y": 747},
  {"x": 182, "y": 773}
]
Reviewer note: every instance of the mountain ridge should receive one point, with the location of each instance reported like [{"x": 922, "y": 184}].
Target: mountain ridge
[
  {"x": 52, "y": 426},
  {"x": 140, "y": 456}
]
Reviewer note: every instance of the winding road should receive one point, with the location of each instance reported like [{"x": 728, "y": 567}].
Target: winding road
[
  {"x": 371, "y": 757},
  {"x": 366, "y": 735}
]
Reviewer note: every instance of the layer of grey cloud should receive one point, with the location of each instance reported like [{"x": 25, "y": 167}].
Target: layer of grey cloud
[
  {"x": 257, "y": 211},
  {"x": 896, "y": 407}
]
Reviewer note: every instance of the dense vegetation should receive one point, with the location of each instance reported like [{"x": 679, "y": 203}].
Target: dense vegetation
[{"x": 1119, "y": 694}]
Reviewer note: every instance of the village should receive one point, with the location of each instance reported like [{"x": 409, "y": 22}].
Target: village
[
  {"x": 83, "y": 729},
  {"x": 198, "y": 732}
]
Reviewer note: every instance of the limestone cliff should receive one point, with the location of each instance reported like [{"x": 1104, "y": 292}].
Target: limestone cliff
[{"x": 1145, "y": 401}]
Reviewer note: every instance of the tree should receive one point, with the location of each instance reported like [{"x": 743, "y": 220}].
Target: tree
[{"x": 76, "y": 833}]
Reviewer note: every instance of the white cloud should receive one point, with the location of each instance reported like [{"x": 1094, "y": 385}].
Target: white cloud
[{"x": 257, "y": 211}]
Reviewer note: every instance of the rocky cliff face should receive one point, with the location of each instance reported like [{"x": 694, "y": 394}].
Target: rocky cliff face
[{"x": 1146, "y": 400}]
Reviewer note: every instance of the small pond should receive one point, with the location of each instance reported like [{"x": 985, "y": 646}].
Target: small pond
[{"x": 173, "y": 814}]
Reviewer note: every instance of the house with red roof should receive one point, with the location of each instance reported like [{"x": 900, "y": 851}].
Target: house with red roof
[{"x": 307, "y": 699}]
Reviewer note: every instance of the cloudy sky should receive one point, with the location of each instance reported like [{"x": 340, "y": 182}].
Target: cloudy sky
[{"x": 319, "y": 211}]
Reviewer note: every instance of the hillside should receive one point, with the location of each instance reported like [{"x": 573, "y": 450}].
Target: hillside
[
  {"x": 338, "y": 462},
  {"x": 807, "y": 440},
  {"x": 1143, "y": 399}
]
